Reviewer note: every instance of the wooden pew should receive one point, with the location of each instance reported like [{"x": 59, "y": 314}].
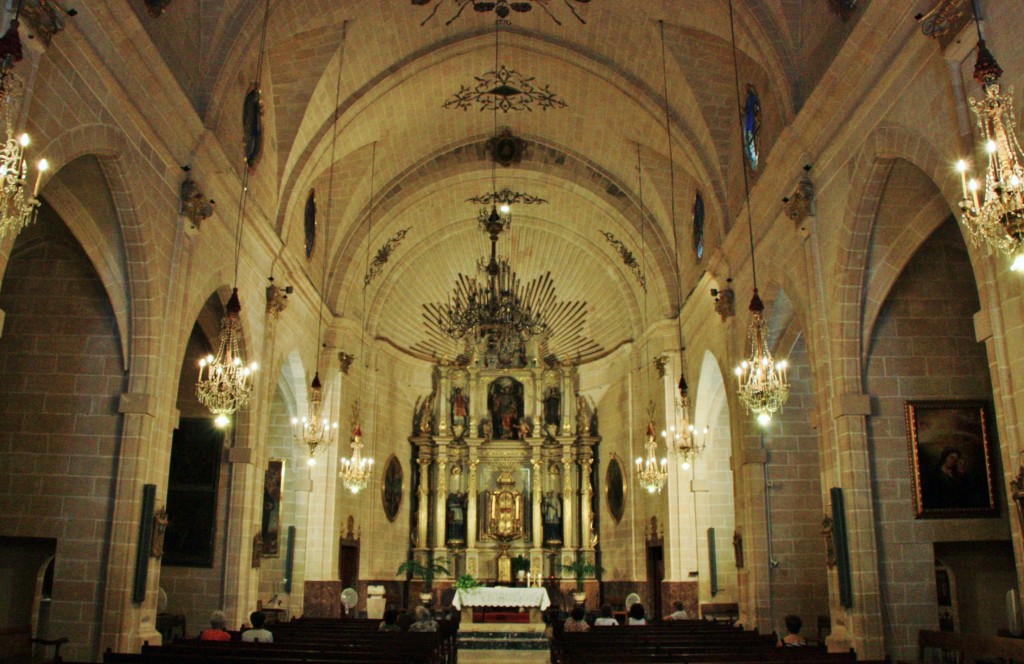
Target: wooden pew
[{"x": 970, "y": 646}]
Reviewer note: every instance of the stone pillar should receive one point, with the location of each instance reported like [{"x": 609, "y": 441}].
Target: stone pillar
[
  {"x": 568, "y": 504},
  {"x": 423, "y": 515},
  {"x": 441, "y": 501},
  {"x": 756, "y": 611}
]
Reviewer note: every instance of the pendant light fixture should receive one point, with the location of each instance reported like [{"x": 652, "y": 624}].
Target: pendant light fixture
[
  {"x": 315, "y": 431},
  {"x": 356, "y": 470},
  {"x": 18, "y": 209},
  {"x": 994, "y": 212},
  {"x": 763, "y": 387},
  {"x": 650, "y": 473},
  {"x": 225, "y": 381},
  {"x": 684, "y": 441}
]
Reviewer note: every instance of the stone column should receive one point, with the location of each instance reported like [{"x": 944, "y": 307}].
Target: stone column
[
  {"x": 441, "y": 500},
  {"x": 423, "y": 515}
]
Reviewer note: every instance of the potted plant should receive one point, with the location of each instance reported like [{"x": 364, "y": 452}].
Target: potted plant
[
  {"x": 466, "y": 582},
  {"x": 581, "y": 569},
  {"x": 425, "y": 572}
]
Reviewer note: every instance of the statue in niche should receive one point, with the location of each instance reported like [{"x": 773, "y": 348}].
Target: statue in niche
[
  {"x": 506, "y": 397},
  {"x": 551, "y": 508},
  {"x": 582, "y": 416},
  {"x": 524, "y": 428},
  {"x": 488, "y": 429},
  {"x": 456, "y": 518},
  {"x": 460, "y": 407},
  {"x": 552, "y": 406}
]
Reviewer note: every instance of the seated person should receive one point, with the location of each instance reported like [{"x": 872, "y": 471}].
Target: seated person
[
  {"x": 606, "y": 619},
  {"x": 390, "y": 623},
  {"x": 575, "y": 622},
  {"x": 636, "y": 615},
  {"x": 793, "y": 638},
  {"x": 257, "y": 634},
  {"x": 216, "y": 631},
  {"x": 679, "y": 613},
  {"x": 424, "y": 622}
]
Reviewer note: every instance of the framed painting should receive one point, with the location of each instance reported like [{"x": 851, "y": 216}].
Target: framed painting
[
  {"x": 615, "y": 488},
  {"x": 270, "y": 531},
  {"x": 950, "y": 459},
  {"x": 391, "y": 487}
]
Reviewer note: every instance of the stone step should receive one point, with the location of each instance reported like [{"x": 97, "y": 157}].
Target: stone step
[{"x": 502, "y": 641}]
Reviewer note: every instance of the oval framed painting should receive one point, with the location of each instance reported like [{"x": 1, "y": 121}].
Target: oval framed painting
[
  {"x": 391, "y": 487},
  {"x": 309, "y": 223},
  {"x": 252, "y": 126},
  {"x": 615, "y": 488}
]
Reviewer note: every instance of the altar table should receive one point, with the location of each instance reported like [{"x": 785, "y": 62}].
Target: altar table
[{"x": 534, "y": 598}]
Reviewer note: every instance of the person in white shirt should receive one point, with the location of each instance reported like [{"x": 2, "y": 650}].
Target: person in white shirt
[
  {"x": 637, "y": 615},
  {"x": 257, "y": 633},
  {"x": 606, "y": 619},
  {"x": 679, "y": 614}
]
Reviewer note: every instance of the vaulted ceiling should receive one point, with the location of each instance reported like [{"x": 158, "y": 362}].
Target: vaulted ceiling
[{"x": 399, "y": 62}]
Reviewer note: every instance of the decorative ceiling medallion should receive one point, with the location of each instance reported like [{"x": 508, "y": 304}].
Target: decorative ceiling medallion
[
  {"x": 309, "y": 223},
  {"x": 252, "y": 125},
  {"x": 506, "y": 197},
  {"x": 506, "y": 148},
  {"x": 504, "y": 90},
  {"x": 502, "y": 8},
  {"x": 627, "y": 258},
  {"x": 383, "y": 255}
]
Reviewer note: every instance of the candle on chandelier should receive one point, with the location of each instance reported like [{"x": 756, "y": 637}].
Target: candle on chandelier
[
  {"x": 43, "y": 167},
  {"x": 961, "y": 166}
]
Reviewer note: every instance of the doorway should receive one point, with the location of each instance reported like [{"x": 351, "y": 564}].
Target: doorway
[{"x": 655, "y": 575}]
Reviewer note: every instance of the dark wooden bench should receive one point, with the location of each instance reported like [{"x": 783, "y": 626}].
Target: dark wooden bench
[
  {"x": 721, "y": 612},
  {"x": 970, "y": 646}
]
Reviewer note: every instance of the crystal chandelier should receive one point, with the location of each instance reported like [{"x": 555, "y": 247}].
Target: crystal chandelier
[
  {"x": 497, "y": 309},
  {"x": 995, "y": 214},
  {"x": 17, "y": 208},
  {"x": 687, "y": 442},
  {"x": 314, "y": 431},
  {"x": 356, "y": 471},
  {"x": 763, "y": 387},
  {"x": 651, "y": 473},
  {"x": 225, "y": 381}
]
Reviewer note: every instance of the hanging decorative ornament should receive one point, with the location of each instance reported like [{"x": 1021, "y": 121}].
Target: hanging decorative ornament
[
  {"x": 650, "y": 472},
  {"x": 356, "y": 471},
  {"x": 314, "y": 431},
  {"x": 686, "y": 442},
  {"x": 763, "y": 387}
]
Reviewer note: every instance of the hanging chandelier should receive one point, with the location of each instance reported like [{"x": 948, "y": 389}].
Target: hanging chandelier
[
  {"x": 17, "y": 208},
  {"x": 314, "y": 431},
  {"x": 356, "y": 470},
  {"x": 225, "y": 381},
  {"x": 650, "y": 472},
  {"x": 763, "y": 387},
  {"x": 994, "y": 212},
  {"x": 686, "y": 442},
  {"x": 495, "y": 310}
]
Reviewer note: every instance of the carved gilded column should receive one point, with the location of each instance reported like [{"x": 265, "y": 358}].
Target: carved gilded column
[
  {"x": 423, "y": 515},
  {"x": 477, "y": 404},
  {"x": 586, "y": 519},
  {"x": 442, "y": 402},
  {"x": 568, "y": 403},
  {"x": 441, "y": 502},
  {"x": 568, "y": 509},
  {"x": 471, "y": 508},
  {"x": 538, "y": 481}
]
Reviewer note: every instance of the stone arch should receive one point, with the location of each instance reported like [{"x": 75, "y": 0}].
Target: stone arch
[{"x": 118, "y": 159}]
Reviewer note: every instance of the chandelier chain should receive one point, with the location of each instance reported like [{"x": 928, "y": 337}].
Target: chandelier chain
[{"x": 746, "y": 179}]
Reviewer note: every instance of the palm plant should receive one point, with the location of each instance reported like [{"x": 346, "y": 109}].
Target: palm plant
[
  {"x": 426, "y": 572},
  {"x": 581, "y": 569}
]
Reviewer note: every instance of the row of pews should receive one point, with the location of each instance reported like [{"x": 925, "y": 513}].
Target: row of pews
[
  {"x": 689, "y": 641},
  {"x": 312, "y": 640}
]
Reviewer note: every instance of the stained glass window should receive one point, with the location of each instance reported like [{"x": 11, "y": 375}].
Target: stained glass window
[
  {"x": 751, "y": 127},
  {"x": 698, "y": 226},
  {"x": 309, "y": 223}
]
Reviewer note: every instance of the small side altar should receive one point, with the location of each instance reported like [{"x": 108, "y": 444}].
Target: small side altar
[{"x": 535, "y": 599}]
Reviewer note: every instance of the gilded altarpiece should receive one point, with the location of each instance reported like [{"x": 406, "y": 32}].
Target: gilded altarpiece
[{"x": 505, "y": 461}]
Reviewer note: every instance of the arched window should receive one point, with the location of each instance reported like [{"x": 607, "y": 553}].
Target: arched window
[{"x": 309, "y": 223}]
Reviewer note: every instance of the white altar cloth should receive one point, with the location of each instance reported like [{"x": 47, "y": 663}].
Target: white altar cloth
[{"x": 528, "y": 597}]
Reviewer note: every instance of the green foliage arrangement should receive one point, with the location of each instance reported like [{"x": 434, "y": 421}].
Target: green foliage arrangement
[
  {"x": 581, "y": 569},
  {"x": 426, "y": 572}
]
